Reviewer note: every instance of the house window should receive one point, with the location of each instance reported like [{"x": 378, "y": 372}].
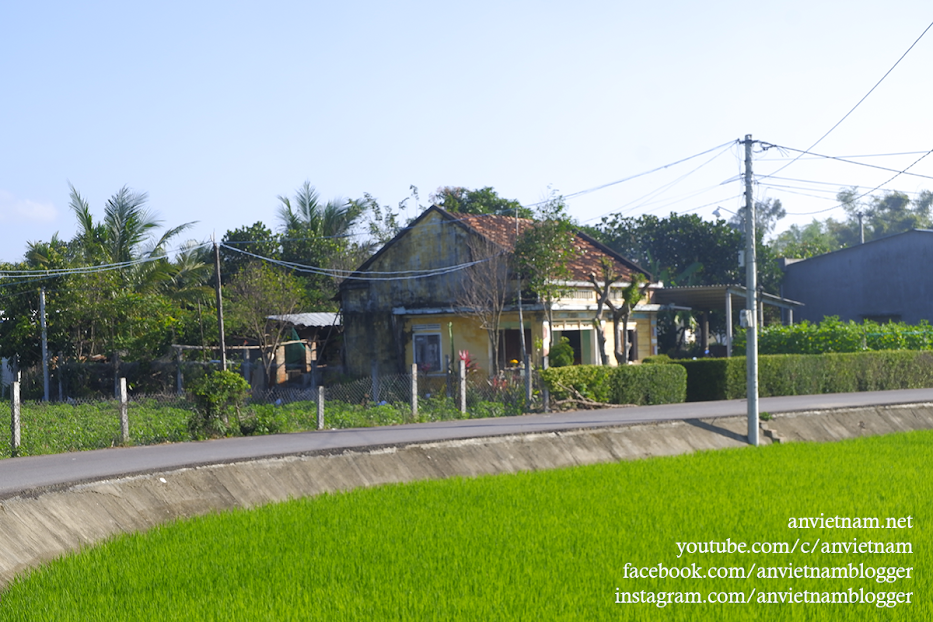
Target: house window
[
  {"x": 427, "y": 351},
  {"x": 510, "y": 346}
]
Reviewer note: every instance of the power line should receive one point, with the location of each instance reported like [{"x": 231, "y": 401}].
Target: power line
[
  {"x": 620, "y": 181},
  {"x": 870, "y": 155},
  {"x": 350, "y": 274},
  {"x": 840, "y": 159},
  {"x": 644, "y": 198},
  {"x": 84, "y": 270},
  {"x": 859, "y": 101},
  {"x": 904, "y": 172}
]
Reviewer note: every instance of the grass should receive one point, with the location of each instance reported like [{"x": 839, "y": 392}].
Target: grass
[
  {"x": 61, "y": 427},
  {"x": 532, "y": 546}
]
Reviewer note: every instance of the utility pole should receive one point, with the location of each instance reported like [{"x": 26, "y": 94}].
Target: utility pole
[
  {"x": 521, "y": 319},
  {"x": 220, "y": 310},
  {"x": 751, "y": 303},
  {"x": 45, "y": 347},
  {"x": 861, "y": 228}
]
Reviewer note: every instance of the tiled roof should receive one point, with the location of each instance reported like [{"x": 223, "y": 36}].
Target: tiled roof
[{"x": 502, "y": 231}]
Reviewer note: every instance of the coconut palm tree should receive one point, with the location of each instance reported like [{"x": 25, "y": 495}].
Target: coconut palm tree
[
  {"x": 308, "y": 214},
  {"x": 317, "y": 234},
  {"x": 124, "y": 236}
]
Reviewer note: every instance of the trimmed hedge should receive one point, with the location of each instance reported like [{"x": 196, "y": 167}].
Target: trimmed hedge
[
  {"x": 833, "y": 335},
  {"x": 630, "y": 384},
  {"x": 809, "y": 374}
]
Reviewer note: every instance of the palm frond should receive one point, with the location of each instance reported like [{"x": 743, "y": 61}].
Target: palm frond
[
  {"x": 128, "y": 224},
  {"x": 159, "y": 246}
]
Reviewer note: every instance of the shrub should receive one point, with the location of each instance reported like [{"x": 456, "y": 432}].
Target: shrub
[
  {"x": 833, "y": 335},
  {"x": 218, "y": 398},
  {"x": 804, "y": 374},
  {"x": 630, "y": 384},
  {"x": 561, "y": 354},
  {"x": 657, "y": 359},
  {"x": 262, "y": 419},
  {"x": 714, "y": 379},
  {"x": 590, "y": 381}
]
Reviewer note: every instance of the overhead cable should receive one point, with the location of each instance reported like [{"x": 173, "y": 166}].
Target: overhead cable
[
  {"x": 840, "y": 159},
  {"x": 401, "y": 275},
  {"x": 859, "y": 101}
]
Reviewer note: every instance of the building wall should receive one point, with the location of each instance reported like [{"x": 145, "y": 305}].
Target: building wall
[
  {"x": 372, "y": 333},
  {"x": 456, "y": 333},
  {"x": 886, "y": 278}
]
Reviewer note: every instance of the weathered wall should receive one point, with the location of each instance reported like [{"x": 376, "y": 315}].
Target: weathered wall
[
  {"x": 370, "y": 332},
  {"x": 467, "y": 335},
  {"x": 886, "y": 277}
]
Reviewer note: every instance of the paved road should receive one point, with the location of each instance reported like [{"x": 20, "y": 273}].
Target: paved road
[{"x": 29, "y": 473}]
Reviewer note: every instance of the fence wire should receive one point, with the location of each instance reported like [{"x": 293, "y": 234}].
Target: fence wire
[{"x": 92, "y": 422}]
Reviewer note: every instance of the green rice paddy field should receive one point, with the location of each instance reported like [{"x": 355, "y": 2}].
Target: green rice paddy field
[{"x": 533, "y": 546}]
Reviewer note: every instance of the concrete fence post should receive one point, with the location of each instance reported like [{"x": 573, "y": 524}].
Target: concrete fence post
[
  {"x": 463, "y": 386},
  {"x": 545, "y": 394},
  {"x": 375, "y": 384},
  {"x": 124, "y": 412},
  {"x": 320, "y": 408},
  {"x": 449, "y": 375},
  {"x": 414, "y": 391},
  {"x": 179, "y": 381},
  {"x": 527, "y": 381},
  {"x": 116, "y": 374},
  {"x": 14, "y": 422},
  {"x": 59, "y": 369}
]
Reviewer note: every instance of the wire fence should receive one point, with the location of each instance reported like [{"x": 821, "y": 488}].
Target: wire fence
[{"x": 141, "y": 418}]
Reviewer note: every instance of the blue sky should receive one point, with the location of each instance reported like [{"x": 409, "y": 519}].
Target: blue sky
[{"x": 216, "y": 108}]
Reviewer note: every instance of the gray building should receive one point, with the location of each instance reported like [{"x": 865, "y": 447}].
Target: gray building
[{"x": 889, "y": 279}]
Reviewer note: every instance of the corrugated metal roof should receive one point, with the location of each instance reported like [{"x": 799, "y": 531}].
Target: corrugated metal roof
[
  {"x": 309, "y": 319},
  {"x": 711, "y": 297}
]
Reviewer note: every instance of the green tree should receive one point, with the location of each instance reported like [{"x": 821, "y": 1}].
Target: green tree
[
  {"x": 685, "y": 250},
  {"x": 767, "y": 215},
  {"x": 124, "y": 236},
  {"x": 677, "y": 248},
  {"x": 317, "y": 234},
  {"x": 631, "y": 296},
  {"x": 486, "y": 200},
  {"x": 803, "y": 242},
  {"x": 881, "y": 215},
  {"x": 256, "y": 293},
  {"x": 122, "y": 291},
  {"x": 257, "y": 239},
  {"x": 384, "y": 221},
  {"x": 544, "y": 250},
  {"x": 602, "y": 285}
]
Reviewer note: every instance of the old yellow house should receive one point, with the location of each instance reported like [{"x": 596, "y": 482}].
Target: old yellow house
[{"x": 425, "y": 297}]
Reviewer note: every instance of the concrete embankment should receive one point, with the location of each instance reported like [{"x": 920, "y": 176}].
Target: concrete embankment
[{"x": 38, "y": 527}]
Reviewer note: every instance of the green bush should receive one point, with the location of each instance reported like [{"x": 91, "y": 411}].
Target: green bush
[
  {"x": 657, "y": 359},
  {"x": 561, "y": 354},
  {"x": 590, "y": 381},
  {"x": 262, "y": 419},
  {"x": 218, "y": 399},
  {"x": 806, "y": 374},
  {"x": 833, "y": 335},
  {"x": 629, "y": 384}
]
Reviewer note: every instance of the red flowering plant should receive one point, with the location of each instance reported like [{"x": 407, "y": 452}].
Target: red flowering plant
[{"x": 469, "y": 363}]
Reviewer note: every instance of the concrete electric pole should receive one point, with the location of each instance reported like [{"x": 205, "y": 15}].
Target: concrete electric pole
[
  {"x": 220, "y": 310},
  {"x": 751, "y": 303}
]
